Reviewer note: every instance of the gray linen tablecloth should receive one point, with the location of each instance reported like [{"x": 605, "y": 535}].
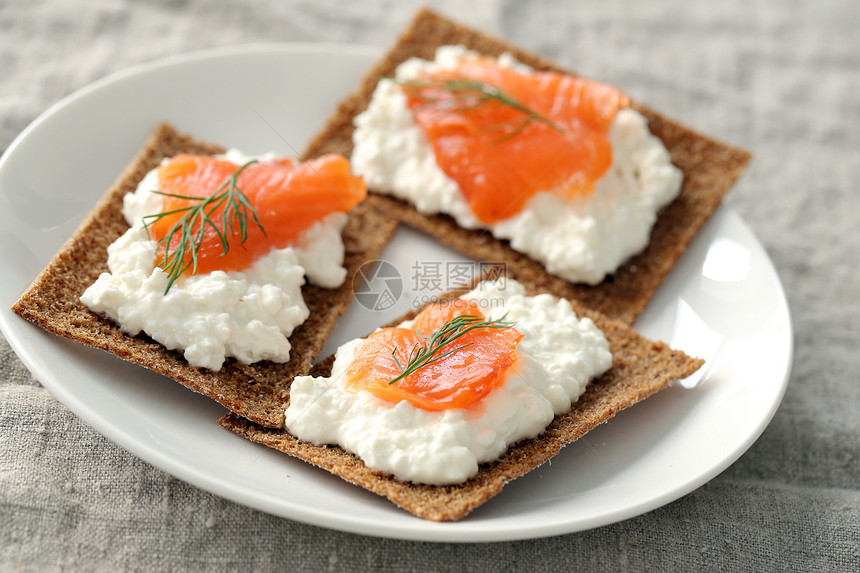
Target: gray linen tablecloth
[{"x": 781, "y": 79}]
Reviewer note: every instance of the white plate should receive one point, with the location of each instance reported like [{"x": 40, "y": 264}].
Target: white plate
[{"x": 723, "y": 302}]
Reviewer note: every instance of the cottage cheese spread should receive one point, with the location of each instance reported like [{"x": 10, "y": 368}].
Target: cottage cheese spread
[
  {"x": 248, "y": 315},
  {"x": 581, "y": 239},
  {"x": 558, "y": 356}
]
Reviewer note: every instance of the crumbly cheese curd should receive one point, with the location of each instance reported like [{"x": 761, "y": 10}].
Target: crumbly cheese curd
[
  {"x": 246, "y": 314},
  {"x": 581, "y": 239},
  {"x": 557, "y": 357}
]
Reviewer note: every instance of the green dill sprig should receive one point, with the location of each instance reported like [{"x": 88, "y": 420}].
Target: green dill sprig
[
  {"x": 237, "y": 212},
  {"x": 470, "y": 94},
  {"x": 427, "y": 352}
]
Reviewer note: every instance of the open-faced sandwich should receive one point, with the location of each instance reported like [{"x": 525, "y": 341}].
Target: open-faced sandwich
[
  {"x": 194, "y": 265},
  {"x": 440, "y": 411},
  {"x": 505, "y": 157}
]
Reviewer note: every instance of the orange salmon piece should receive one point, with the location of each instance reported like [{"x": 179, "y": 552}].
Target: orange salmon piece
[
  {"x": 287, "y": 198},
  {"x": 497, "y": 155},
  {"x": 478, "y": 364}
]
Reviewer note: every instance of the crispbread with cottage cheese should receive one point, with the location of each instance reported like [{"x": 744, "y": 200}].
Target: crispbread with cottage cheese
[
  {"x": 710, "y": 169},
  {"x": 256, "y": 391},
  {"x": 640, "y": 367}
]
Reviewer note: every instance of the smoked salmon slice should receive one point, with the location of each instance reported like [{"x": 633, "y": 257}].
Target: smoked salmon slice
[
  {"x": 475, "y": 363},
  {"x": 288, "y": 198},
  {"x": 553, "y": 138}
]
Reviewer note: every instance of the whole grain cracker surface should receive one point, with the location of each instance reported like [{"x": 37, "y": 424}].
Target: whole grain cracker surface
[
  {"x": 257, "y": 391},
  {"x": 640, "y": 367},
  {"x": 710, "y": 170}
]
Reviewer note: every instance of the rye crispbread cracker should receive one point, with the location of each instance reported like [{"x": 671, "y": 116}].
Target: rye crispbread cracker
[
  {"x": 257, "y": 391},
  {"x": 710, "y": 169},
  {"x": 640, "y": 367}
]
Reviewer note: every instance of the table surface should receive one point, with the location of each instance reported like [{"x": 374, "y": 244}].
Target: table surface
[{"x": 780, "y": 80}]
